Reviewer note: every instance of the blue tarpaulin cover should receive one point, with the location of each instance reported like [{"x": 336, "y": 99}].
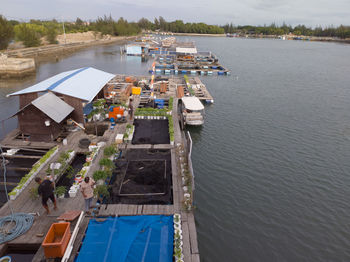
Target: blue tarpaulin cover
[{"x": 129, "y": 239}]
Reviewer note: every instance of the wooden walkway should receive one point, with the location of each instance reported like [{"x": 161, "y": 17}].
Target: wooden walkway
[{"x": 23, "y": 203}]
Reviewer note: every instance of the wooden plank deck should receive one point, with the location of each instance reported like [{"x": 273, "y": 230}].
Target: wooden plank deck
[{"x": 24, "y": 203}]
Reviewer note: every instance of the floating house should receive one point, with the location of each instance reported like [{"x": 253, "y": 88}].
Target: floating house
[{"x": 43, "y": 107}]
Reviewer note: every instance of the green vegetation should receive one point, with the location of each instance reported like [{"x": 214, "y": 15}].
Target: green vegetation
[
  {"x": 105, "y": 162},
  {"x": 330, "y": 31},
  {"x": 33, "y": 193},
  {"x": 107, "y": 25},
  {"x": 29, "y": 34},
  {"x": 170, "y": 103},
  {"x": 99, "y": 102},
  {"x": 51, "y": 34},
  {"x": 60, "y": 190},
  {"x": 100, "y": 175},
  {"x": 6, "y": 32},
  {"x": 171, "y": 128},
  {"x": 32, "y": 171},
  {"x": 151, "y": 112},
  {"x": 179, "y": 26},
  {"x": 32, "y": 32},
  {"x": 101, "y": 191}
]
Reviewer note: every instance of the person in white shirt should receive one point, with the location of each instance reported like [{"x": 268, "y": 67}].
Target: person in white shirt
[{"x": 87, "y": 189}]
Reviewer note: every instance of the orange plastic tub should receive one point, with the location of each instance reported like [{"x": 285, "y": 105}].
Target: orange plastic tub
[
  {"x": 136, "y": 90},
  {"x": 56, "y": 240}
]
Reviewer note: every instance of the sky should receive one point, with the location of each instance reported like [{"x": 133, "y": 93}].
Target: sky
[{"x": 239, "y": 12}]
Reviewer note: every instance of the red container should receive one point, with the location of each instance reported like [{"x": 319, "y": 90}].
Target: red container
[{"x": 56, "y": 240}]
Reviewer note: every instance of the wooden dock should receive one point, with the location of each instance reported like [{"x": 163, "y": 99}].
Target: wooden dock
[
  {"x": 33, "y": 238},
  {"x": 172, "y": 82}
]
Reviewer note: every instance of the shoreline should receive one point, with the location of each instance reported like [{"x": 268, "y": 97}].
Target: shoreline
[
  {"x": 47, "y": 53},
  {"x": 59, "y": 49},
  {"x": 302, "y": 38}
]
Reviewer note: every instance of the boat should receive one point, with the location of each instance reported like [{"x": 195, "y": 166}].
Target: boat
[{"x": 192, "y": 111}]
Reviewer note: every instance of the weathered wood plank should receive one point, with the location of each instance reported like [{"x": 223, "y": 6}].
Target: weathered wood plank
[
  {"x": 193, "y": 233},
  {"x": 139, "y": 209},
  {"x": 186, "y": 242},
  {"x": 195, "y": 258}
]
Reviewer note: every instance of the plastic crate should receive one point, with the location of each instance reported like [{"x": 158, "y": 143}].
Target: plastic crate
[{"x": 56, "y": 240}]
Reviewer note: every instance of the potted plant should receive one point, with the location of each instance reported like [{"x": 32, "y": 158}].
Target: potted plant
[
  {"x": 177, "y": 218},
  {"x": 60, "y": 191},
  {"x": 101, "y": 192},
  {"x": 177, "y": 226},
  {"x": 109, "y": 151},
  {"x": 100, "y": 176},
  {"x": 178, "y": 253},
  {"x": 107, "y": 163}
]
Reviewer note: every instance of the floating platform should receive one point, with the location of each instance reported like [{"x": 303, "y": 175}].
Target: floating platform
[
  {"x": 163, "y": 87},
  {"x": 170, "y": 159},
  {"x": 201, "y": 63}
]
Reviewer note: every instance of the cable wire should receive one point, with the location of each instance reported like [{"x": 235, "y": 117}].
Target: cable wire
[{"x": 22, "y": 222}]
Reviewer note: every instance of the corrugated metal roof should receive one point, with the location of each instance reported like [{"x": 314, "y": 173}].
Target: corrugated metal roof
[
  {"x": 82, "y": 83},
  {"x": 53, "y": 107},
  {"x": 192, "y": 103}
]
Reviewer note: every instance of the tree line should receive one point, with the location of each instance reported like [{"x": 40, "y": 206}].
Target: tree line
[
  {"x": 179, "y": 26},
  {"x": 32, "y": 32},
  {"x": 341, "y": 31}
]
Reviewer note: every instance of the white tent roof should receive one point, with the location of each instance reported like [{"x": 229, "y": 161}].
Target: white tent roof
[
  {"x": 186, "y": 50},
  {"x": 53, "y": 107},
  {"x": 83, "y": 83},
  {"x": 192, "y": 103}
]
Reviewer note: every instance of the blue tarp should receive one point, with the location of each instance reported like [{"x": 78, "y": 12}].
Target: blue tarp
[{"x": 129, "y": 239}]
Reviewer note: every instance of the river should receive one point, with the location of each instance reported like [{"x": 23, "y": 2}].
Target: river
[{"x": 271, "y": 163}]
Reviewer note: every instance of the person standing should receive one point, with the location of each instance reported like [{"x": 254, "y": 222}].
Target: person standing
[
  {"x": 46, "y": 191},
  {"x": 87, "y": 190}
]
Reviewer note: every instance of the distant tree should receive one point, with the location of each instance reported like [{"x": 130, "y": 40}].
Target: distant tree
[
  {"x": 163, "y": 24},
  {"x": 51, "y": 34},
  {"x": 156, "y": 23},
  {"x": 27, "y": 34},
  {"x": 13, "y": 22},
  {"x": 79, "y": 22},
  {"x": 6, "y": 32},
  {"x": 144, "y": 23}
]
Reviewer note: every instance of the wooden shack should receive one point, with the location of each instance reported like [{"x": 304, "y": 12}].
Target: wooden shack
[{"x": 45, "y": 105}]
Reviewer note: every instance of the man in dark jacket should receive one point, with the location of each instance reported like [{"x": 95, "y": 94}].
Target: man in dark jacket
[{"x": 45, "y": 190}]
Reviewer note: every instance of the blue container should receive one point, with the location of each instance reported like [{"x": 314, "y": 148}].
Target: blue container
[
  {"x": 220, "y": 73},
  {"x": 184, "y": 71}
]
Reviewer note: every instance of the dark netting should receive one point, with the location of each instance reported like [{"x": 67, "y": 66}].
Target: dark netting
[
  {"x": 151, "y": 132},
  {"x": 142, "y": 176}
]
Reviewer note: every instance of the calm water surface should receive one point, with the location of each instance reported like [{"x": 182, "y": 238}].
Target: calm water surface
[{"x": 272, "y": 162}]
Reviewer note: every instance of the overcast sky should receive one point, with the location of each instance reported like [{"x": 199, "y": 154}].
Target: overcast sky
[{"x": 239, "y": 12}]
